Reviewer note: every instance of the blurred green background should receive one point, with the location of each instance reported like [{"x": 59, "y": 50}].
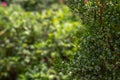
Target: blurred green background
[{"x": 36, "y": 36}]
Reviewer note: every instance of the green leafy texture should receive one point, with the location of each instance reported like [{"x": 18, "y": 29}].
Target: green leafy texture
[
  {"x": 31, "y": 41},
  {"x": 98, "y": 55}
]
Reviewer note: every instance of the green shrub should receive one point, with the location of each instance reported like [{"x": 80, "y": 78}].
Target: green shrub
[
  {"x": 30, "y": 42},
  {"x": 33, "y": 5},
  {"x": 98, "y": 56}
]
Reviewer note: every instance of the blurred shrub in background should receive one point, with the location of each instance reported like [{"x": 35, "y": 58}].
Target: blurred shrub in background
[
  {"x": 31, "y": 42},
  {"x": 32, "y": 5}
]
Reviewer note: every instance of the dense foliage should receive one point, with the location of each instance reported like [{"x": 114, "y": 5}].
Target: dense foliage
[
  {"x": 31, "y": 42},
  {"x": 98, "y": 57},
  {"x": 43, "y": 40},
  {"x": 34, "y": 4}
]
